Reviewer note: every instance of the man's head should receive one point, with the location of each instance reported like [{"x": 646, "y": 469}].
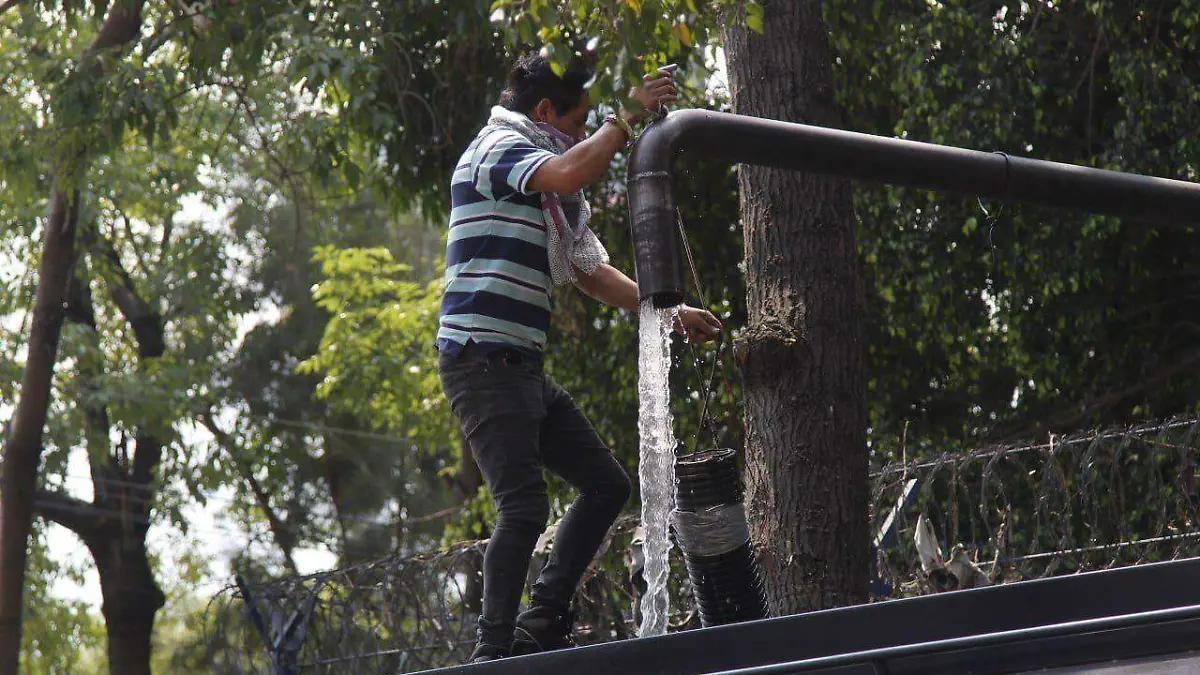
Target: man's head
[{"x": 535, "y": 91}]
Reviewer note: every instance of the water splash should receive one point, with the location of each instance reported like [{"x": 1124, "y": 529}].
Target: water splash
[{"x": 657, "y": 465}]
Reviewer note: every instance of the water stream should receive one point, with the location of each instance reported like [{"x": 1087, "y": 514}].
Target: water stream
[{"x": 657, "y": 464}]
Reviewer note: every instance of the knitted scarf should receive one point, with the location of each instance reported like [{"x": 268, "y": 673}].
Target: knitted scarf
[{"x": 570, "y": 243}]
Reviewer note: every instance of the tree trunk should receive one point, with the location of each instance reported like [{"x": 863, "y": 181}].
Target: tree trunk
[
  {"x": 23, "y": 447},
  {"x": 131, "y": 597},
  {"x": 115, "y": 523},
  {"x": 802, "y": 353},
  {"x": 23, "y": 450}
]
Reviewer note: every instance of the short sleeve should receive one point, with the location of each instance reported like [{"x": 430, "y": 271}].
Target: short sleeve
[{"x": 503, "y": 163}]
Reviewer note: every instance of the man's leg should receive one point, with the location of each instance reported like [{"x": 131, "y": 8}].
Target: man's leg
[
  {"x": 572, "y": 449},
  {"x": 500, "y": 407}
]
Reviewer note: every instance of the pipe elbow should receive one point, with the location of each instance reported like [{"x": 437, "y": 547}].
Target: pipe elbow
[{"x": 662, "y": 141}]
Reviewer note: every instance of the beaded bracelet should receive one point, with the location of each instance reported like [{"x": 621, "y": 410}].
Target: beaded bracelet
[{"x": 616, "y": 119}]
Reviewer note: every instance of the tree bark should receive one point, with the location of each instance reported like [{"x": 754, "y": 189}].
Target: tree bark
[
  {"x": 130, "y": 593},
  {"x": 115, "y": 523},
  {"x": 129, "y": 590},
  {"x": 802, "y": 354},
  {"x": 23, "y": 449},
  {"x": 131, "y": 596}
]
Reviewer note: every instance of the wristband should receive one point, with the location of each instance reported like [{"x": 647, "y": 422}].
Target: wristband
[{"x": 622, "y": 124}]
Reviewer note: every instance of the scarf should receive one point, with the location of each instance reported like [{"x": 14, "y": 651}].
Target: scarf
[{"x": 570, "y": 243}]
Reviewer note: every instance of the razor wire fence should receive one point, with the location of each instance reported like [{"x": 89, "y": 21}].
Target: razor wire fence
[
  {"x": 955, "y": 520},
  {"x": 1073, "y": 504},
  {"x": 408, "y": 614}
]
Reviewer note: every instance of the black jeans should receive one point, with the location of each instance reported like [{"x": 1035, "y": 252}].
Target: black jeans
[{"x": 518, "y": 422}]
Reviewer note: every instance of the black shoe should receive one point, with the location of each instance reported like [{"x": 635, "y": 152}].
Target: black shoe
[
  {"x": 485, "y": 652},
  {"x": 542, "y": 629}
]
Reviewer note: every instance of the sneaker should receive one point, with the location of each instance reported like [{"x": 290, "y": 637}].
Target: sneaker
[
  {"x": 542, "y": 629},
  {"x": 485, "y": 652}
]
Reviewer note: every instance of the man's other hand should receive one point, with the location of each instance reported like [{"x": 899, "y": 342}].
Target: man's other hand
[
  {"x": 657, "y": 89},
  {"x": 698, "y": 324}
]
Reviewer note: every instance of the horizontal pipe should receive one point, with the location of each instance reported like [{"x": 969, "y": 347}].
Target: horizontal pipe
[
  {"x": 738, "y": 139},
  {"x": 1007, "y": 637}
]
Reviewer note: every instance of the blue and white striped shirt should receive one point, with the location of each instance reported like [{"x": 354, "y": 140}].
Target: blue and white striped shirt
[{"x": 497, "y": 271}]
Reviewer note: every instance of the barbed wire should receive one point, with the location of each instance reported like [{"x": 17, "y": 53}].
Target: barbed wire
[
  {"x": 1141, "y": 430},
  {"x": 415, "y": 613},
  {"x": 1001, "y": 514},
  {"x": 1092, "y": 501}
]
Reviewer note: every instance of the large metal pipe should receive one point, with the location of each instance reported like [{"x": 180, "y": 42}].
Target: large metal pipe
[{"x": 735, "y": 139}]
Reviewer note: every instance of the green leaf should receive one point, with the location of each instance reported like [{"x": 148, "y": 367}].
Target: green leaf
[
  {"x": 754, "y": 17},
  {"x": 353, "y": 175}
]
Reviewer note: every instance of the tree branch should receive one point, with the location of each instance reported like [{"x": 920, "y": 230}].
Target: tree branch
[
  {"x": 1072, "y": 416},
  {"x": 79, "y": 309},
  {"x": 138, "y": 254},
  {"x": 284, "y": 538},
  {"x": 147, "y": 454},
  {"x": 146, "y": 323},
  {"x": 120, "y": 28},
  {"x": 78, "y": 516},
  {"x": 9, "y": 5},
  {"x": 167, "y": 29}
]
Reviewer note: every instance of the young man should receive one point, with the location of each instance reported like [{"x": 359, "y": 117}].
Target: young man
[{"x": 519, "y": 223}]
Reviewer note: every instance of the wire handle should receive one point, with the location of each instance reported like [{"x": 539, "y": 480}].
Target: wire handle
[{"x": 705, "y": 421}]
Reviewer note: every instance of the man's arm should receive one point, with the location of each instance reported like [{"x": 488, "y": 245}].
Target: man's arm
[
  {"x": 586, "y": 162},
  {"x": 610, "y": 286},
  {"x": 582, "y": 165}
]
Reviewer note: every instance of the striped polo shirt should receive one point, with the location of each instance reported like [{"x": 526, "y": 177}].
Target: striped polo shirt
[{"x": 497, "y": 278}]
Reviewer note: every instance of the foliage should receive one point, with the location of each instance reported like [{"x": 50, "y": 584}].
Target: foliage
[
  {"x": 376, "y": 353},
  {"x": 164, "y": 123},
  {"x": 625, "y": 38},
  {"x": 303, "y": 126},
  {"x": 377, "y": 362},
  {"x": 999, "y": 321},
  {"x": 62, "y": 636}
]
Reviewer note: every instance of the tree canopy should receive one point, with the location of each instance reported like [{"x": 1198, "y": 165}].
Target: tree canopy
[{"x": 261, "y": 192}]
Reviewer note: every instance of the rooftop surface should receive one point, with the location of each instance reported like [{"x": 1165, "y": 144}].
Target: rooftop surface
[
  {"x": 1188, "y": 664},
  {"x": 1105, "y": 621}
]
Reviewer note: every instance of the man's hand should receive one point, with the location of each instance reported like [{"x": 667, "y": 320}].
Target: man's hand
[
  {"x": 588, "y": 161},
  {"x": 657, "y": 88},
  {"x": 698, "y": 324}
]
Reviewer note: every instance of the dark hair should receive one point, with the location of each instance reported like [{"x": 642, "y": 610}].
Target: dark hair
[{"x": 532, "y": 79}]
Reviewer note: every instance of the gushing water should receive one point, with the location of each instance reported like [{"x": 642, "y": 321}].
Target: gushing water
[{"x": 657, "y": 466}]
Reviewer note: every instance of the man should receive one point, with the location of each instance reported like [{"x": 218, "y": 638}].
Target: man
[{"x": 519, "y": 222}]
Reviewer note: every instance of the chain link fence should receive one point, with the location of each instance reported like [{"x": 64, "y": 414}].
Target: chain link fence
[{"x": 957, "y": 520}]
